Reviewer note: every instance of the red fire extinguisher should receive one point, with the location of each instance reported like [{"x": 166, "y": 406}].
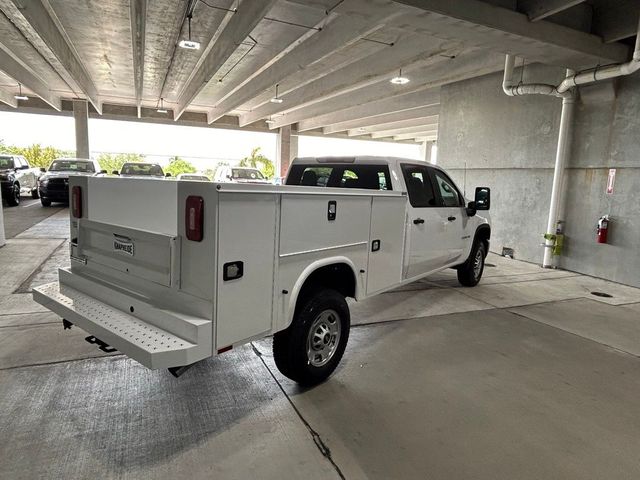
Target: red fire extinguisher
[{"x": 601, "y": 230}]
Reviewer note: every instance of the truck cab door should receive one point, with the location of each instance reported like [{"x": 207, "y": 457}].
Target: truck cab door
[
  {"x": 452, "y": 212},
  {"x": 427, "y": 247}
]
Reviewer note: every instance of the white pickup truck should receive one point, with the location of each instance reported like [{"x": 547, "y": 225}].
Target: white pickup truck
[{"x": 171, "y": 273}]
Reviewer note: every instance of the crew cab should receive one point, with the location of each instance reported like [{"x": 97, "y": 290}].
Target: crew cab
[
  {"x": 206, "y": 267},
  {"x": 239, "y": 175},
  {"x": 53, "y": 185},
  {"x": 17, "y": 177},
  {"x": 141, "y": 169}
]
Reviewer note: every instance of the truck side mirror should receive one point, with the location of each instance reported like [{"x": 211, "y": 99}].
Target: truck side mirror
[
  {"x": 483, "y": 198},
  {"x": 167, "y": 174}
]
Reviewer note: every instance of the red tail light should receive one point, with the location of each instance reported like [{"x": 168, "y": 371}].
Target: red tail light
[
  {"x": 194, "y": 218},
  {"x": 76, "y": 201}
]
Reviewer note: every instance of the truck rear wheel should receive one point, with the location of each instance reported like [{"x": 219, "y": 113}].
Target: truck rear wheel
[
  {"x": 310, "y": 349},
  {"x": 470, "y": 272}
]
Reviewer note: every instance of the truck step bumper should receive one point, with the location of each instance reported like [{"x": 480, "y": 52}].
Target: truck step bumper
[{"x": 153, "y": 347}]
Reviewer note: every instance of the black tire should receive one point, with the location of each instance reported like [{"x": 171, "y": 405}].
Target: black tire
[
  {"x": 45, "y": 202},
  {"x": 14, "y": 198},
  {"x": 470, "y": 272},
  {"x": 34, "y": 194},
  {"x": 290, "y": 346}
]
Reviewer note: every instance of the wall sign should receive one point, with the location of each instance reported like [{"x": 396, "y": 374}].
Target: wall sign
[{"x": 611, "y": 180}]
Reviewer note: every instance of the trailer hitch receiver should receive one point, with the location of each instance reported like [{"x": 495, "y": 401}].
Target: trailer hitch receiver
[{"x": 101, "y": 345}]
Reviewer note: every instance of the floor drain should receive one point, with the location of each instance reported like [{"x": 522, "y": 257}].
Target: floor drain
[
  {"x": 489, "y": 265},
  {"x": 601, "y": 294}
]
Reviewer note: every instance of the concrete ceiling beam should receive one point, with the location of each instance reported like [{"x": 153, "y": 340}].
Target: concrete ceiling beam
[
  {"x": 388, "y": 118},
  {"x": 8, "y": 98},
  {"x": 382, "y": 111},
  {"x": 447, "y": 70},
  {"x": 422, "y": 139},
  {"x": 540, "y": 9},
  {"x": 21, "y": 74},
  {"x": 241, "y": 24},
  {"x": 423, "y": 136},
  {"x": 412, "y": 122},
  {"x": 409, "y": 54},
  {"x": 36, "y": 20},
  {"x": 617, "y": 22},
  {"x": 431, "y": 129},
  {"x": 337, "y": 34},
  {"x": 483, "y": 25},
  {"x": 138, "y": 16}
]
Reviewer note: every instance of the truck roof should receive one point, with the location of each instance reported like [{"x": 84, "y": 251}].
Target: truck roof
[{"x": 358, "y": 159}]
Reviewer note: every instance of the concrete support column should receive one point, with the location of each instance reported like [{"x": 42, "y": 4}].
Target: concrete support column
[
  {"x": 81, "y": 116},
  {"x": 286, "y": 149},
  {"x": 426, "y": 150}
]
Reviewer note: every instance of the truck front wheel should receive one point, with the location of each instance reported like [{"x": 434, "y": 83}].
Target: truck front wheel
[
  {"x": 310, "y": 349},
  {"x": 470, "y": 272}
]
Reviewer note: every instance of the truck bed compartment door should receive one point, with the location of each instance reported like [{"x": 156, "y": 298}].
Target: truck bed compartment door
[
  {"x": 386, "y": 242},
  {"x": 246, "y": 252}
]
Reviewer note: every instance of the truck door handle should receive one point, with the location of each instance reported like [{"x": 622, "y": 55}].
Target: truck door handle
[
  {"x": 451, "y": 219},
  {"x": 418, "y": 221}
]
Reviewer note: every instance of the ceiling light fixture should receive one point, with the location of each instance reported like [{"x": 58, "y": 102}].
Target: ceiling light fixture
[
  {"x": 399, "y": 80},
  {"x": 189, "y": 44},
  {"x": 161, "y": 108},
  {"x": 276, "y": 99},
  {"x": 20, "y": 96}
]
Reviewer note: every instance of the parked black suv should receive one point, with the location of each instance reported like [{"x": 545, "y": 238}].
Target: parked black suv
[{"x": 54, "y": 184}]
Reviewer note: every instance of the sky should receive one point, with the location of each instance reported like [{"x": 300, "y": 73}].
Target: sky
[{"x": 204, "y": 147}]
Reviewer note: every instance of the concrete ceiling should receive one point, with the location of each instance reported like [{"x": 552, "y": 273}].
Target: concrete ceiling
[{"x": 331, "y": 59}]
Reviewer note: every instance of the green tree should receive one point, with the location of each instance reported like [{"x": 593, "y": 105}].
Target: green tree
[
  {"x": 36, "y": 154},
  {"x": 259, "y": 161},
  {"x": 179, "y": 165},
  {"x": 111, "y": 162}
]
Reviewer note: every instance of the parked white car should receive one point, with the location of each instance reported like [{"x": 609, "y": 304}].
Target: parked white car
[
  {"x": 205, "y": 267},
  {"x": 17, "y": 177},
  {"x": 239, "y": 175}
]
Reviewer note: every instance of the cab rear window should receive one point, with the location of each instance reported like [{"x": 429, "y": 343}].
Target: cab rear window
[{"x": 371, "y": 177}]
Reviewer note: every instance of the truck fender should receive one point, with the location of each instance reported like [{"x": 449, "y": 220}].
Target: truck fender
[{"x": 306, "y": 273}]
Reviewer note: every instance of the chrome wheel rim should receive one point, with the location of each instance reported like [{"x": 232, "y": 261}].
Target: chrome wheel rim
[
  {"x": 477, "y": 264},
  {"x": 323, "y": 338}
]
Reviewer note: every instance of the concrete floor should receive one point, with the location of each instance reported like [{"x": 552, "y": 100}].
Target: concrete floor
[{"x": 526, "y": 376}]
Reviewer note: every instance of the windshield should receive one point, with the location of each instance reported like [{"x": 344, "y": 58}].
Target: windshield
[
  {"x": 142, "y": 169},
  {"x": 6, "y": 163},
  {"x": 72, "y": 166},
  {"x": 246, "y": 174}
]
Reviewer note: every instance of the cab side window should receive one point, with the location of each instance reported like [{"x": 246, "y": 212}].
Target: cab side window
[
  {"x": 448, "y": 192},
  {"x": 419, "y": 186}
]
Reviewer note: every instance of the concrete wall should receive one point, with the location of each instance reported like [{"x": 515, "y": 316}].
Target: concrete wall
[{"x": 509, "y": 145}]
